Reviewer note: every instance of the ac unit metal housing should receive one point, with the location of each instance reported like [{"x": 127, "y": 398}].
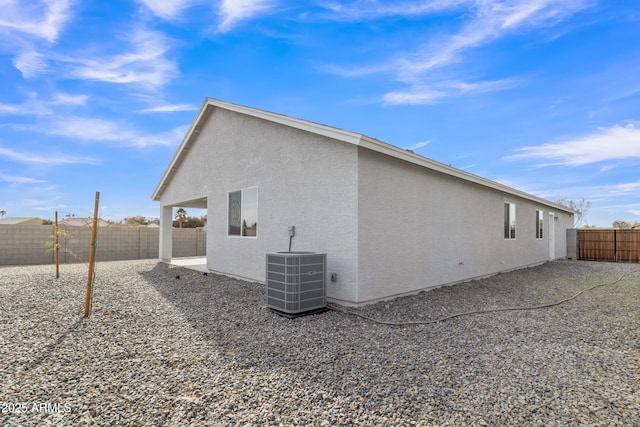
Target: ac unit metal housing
[{"x": 296, "y": 282}]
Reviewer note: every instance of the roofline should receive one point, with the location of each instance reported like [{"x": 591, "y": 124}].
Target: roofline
[
  {"x": 340, "y": 135},
  {"x": 410, "y": 156},
  {"x": 194, "y": 130}
]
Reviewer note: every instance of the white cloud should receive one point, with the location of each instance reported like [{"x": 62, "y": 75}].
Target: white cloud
[
  {"x": 424, "y": 94},
  {"x": 233, "y": 11},
  {"x": 170, "y": 108},
  {"x": 31, "y": 107},
  {"x": 50, "y": 159},
  {"x": 12, "y": 109},
  {"x": 145, "y": 64},
  {"x": 13, "y": 179},
  {"x": 30, "y": 63},
  {"x": 484, "y": 21},
  {"x": 34, "y": 106},
  {"x": 625, "y": 187},
  {"x": 166, "y": 9},
  {"x": 65, "y": 98},
  {"x": 346, "y": 71},
  {"x": 490, "y": 20},
  {"x": 414, "y": 97},
  {"x": 50, "y": 203},
  {"x": 487, "y": 21},
  {"x": 93, "y": 129},
  {"x": 40, "y": 18},
  {"x": 418, "y": 145},
  {"x": 172, "y": 137},
  {"x": 371, "y": 9},
  {"x": 617, "y": 142},
  {"x": 89, "y": 129}
]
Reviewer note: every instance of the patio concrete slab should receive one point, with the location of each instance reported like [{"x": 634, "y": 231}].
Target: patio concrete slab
[{"x": 193, "y": 263}]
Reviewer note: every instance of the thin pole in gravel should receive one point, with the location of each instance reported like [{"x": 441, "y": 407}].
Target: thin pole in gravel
[
  {"x": 56, "y": 247},
  {"x": 92, "y": 256}
]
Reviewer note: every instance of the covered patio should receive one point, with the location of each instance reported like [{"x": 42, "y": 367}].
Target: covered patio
[{"x": 166, "y": 227}]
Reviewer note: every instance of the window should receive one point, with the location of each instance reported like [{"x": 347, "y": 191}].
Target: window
[
  {"x": 243, "y": 212},
  {"x": 539, "y": 224},
  {"x": 509, "y": 220}
]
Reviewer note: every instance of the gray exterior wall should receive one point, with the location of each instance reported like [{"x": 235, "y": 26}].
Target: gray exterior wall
[
  {"x": 303, "y": 179},
  {"x": 30, "y": 244},
  {"x": 390, "y": 224},
  {"x": 572, "y": 243},
  {"x": 419, "y": 228}
]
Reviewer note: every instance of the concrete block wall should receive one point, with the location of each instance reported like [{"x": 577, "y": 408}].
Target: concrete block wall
[
  {"x": 25, "y": 244},
  {"x": 74, "y": 243},
  {"x": 32, "y": 244},
  {"x": 149, "y": 242},
  {"x": 189, "y": 242}
]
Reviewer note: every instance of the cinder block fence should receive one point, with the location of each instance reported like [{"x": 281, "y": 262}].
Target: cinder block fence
[{"x": 33, "y": 244}]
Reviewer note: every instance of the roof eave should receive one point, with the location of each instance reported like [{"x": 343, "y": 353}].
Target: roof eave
[
  {"x": 410, "y": 156},
  {"x": 194, "y": 130},
  {"x": 337, "y": 134}
]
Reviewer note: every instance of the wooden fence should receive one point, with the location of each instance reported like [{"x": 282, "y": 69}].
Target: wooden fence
[{"x": 612, "y": 245}]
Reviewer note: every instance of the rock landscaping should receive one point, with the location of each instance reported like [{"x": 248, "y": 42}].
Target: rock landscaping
[{"x": 168, "y": 346}]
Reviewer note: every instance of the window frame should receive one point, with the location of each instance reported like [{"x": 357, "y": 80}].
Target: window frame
[
  {"x": 510, "y": 225},
  {"x": 242, "y": 231},
  {"x": 539, "y": 224}
]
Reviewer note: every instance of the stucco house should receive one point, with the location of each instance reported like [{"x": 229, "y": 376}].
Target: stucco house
[{"x": 390, "y": 221}]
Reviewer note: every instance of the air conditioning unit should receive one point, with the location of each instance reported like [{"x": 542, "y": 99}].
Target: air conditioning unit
[{"x": 296, "y": 282}]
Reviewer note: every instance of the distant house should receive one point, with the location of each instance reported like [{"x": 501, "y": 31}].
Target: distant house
[
  {"x": 390, "y": 221},
  {"x": 20, "y": 221},
  {"x": 82, "y": 222}
]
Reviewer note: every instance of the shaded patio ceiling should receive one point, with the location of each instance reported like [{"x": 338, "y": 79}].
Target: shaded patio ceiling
[{"x": 195, "y": 203}]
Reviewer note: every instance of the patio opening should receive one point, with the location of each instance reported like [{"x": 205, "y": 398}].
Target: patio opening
[{"x": 183, "y": 233}]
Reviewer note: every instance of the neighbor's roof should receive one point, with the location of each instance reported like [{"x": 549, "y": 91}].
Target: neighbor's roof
[
  {"x": 19, "y": 220},
  {"x": 334, "y": 133},
  {"x": 83, "y": 222}
]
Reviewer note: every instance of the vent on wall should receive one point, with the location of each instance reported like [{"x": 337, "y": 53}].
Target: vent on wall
[{"x": 295, "y": 282}]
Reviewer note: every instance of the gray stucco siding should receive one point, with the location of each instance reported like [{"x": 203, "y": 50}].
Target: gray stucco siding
[
  {"x": 390, "y": 222},
  {"x": 303, "y": 179},
  {"x": 420, "y": 228}
]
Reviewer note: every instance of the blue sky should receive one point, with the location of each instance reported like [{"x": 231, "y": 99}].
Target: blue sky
[{"x": 540, "y": 95}]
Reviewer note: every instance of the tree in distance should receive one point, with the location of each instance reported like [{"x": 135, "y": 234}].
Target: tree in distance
[{"x": 580, "y": 209}]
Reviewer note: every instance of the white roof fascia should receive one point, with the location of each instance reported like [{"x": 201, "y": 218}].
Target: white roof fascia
[
  {"x": 315, "y": 128},
  {"x": 341, "y": 135},
  {"x": 409, "y": 156},
  {"x": 173, "y": 165}
]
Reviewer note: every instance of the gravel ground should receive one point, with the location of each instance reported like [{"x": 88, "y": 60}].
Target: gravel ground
[{"x": 203, "y": 350}]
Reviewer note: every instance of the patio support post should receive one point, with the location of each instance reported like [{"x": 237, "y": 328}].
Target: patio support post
[{"x": 166, "y": 230}]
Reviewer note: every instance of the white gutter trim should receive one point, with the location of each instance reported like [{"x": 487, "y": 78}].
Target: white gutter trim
[
  {"x": 340, "y": 135},
  {"x": 409, "y": 156}
]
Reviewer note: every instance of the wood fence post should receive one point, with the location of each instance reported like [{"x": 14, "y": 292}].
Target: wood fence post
[{"x": 92, "y": 257}]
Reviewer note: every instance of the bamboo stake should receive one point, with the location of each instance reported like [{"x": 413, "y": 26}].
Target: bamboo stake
[
  {"x": 57, "y": 247},
  {"x": 92, "y": 257}
]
